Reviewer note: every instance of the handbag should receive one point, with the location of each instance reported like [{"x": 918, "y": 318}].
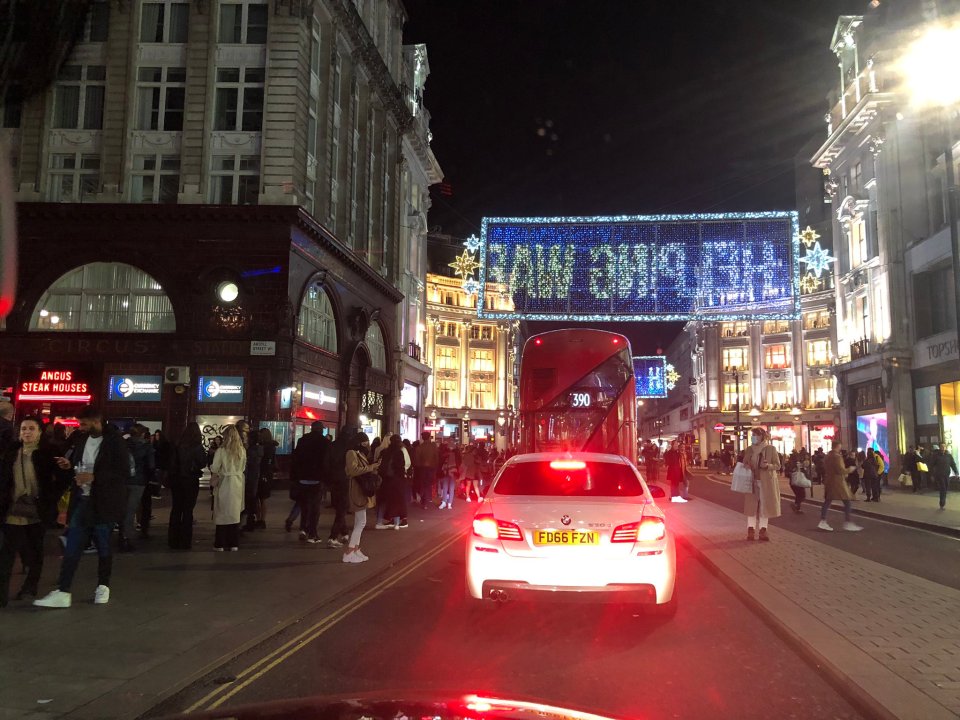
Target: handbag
[
  {"x": 742, "y": 479},
  {"x": 798, "y": 479},
  {"x": 922, "y": 466},
  {"x": 905, "y": 480}
]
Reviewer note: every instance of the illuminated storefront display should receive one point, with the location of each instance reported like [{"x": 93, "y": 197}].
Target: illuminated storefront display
[
  {"x": 220, "y": 389},
  {"x": 135, "y": 388},
  {"x": 54, "y": 386},
  {"x": 821, "y": 436},
  {"x": 665, "y": 267},
  {"x": 872, "y": 433},
  {"x": 316, "y": 396}
]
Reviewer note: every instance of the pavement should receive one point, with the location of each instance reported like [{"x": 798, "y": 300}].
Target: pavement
[
  {"x": 888, "y": 639},
  {"x": 175, "y": 616}
]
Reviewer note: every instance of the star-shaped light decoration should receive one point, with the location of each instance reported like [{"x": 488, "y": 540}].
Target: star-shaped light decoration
[
  {"x": 817, "y": 259},
  {"x": 672, "y": 376},
  {"x": 472, "y": 243},
  {"x": 465, "y": 265},
  {"x": 809, "y": 284},
  {"x": 471, "y": 286},
  {"x": 809, "y": 236}
]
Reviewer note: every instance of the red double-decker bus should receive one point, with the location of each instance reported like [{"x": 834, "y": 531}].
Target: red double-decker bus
[{"x": 577, "y": 393}]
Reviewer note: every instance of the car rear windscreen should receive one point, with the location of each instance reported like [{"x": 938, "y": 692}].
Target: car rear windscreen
[{"x": 599, "y": 479}]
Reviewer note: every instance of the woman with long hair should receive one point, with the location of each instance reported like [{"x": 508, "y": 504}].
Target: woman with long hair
[
  {"x": 357, "y": 465},
  {"x": 227, "y": 482},
  {"x": 185, "y": 467}
]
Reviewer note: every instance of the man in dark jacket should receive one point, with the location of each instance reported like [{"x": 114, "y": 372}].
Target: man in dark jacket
[
  {"x": 307, "y": 471},
  {"x": 7, "y": 436},
  {"x": 102, "y": 466},
  {"x": 941, "y": 466}
]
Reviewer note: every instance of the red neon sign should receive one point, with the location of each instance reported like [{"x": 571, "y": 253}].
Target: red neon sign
[{"x": 54, "y": 386}]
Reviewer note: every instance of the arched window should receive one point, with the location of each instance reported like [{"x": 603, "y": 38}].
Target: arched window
[
  {"x": 317, "y": 325},
  {"x": 378, "y": 351},
  {"x": 105, "y": 297}
]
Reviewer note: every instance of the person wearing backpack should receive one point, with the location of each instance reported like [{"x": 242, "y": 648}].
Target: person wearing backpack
[{"x": 187, "y": 461}]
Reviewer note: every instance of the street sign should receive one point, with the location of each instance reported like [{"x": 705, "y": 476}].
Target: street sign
[{"x": 719, "y": 427}]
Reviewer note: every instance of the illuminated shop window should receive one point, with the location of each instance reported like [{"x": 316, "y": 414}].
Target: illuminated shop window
[
  {"x": 317, "y": 324},
  {"x": 730, "y": 396},
  {"x": 376, "y": 346},
  {"x": 818, "y": 353},
  {"x": 775, "y": 357},
  {"x": 104, "y": 297},
  {"x": 735, "y": 358},
  {"x": 771, "y": 327}
]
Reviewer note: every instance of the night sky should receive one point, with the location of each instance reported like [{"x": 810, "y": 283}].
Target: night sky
[{"x": 574, "y": 107}]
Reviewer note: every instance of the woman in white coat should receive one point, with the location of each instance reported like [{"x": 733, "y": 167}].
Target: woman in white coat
[{"x": 227, "y": 481}]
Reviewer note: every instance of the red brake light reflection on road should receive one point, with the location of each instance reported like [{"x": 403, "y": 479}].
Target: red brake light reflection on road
[{"x": 567, "y": 465}]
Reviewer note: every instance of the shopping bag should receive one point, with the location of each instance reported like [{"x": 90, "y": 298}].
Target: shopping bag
[
  {"x": 905, "y": 480},
  {"x": 798, "y": 479},
  {"x": 922, "y": 466},
  {"x": 742, "y": 479}
]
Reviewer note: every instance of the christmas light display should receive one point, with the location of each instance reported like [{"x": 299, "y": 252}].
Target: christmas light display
[
  {"x": 817, "y": 260},
  {"x": 650, "y": 375},
  {"x": 464, "y": 265},
  {"x": 731, "y": 266}
]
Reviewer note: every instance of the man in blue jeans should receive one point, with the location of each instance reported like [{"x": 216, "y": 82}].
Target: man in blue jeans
[{"x": 102, "y": 465}]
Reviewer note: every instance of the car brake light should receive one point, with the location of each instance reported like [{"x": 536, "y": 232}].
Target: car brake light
[
  {"x": 646, "y": 530},
  {"x": 538, "y": 341},
  {"x": 567, "y": 464},
  {"x": 616, "y": 341},
  {"x": 487, "y": 526}
]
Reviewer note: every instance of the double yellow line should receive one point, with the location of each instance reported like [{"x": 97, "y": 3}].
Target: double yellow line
[{"x": 261, "y": 667}]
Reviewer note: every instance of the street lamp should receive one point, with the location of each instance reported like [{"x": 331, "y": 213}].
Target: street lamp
[{"x": 929, "y": 70}]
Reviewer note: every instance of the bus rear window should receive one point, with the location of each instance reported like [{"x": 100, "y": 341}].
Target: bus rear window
[{"x": 595, "y": 479}]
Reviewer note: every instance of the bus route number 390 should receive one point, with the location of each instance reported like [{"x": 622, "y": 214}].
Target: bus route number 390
[{"x": 580, "y": 400}]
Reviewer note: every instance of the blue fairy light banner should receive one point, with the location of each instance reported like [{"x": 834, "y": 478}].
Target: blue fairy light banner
[
  {"x": 731, "y": 266},
  {"x": 650, "y": 374}
]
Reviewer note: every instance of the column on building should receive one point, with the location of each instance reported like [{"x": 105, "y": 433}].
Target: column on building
[
  {"x": 431, "y": 359},
  {"x": 501, "y": 359},
  {"x": 465, "y": 364}
]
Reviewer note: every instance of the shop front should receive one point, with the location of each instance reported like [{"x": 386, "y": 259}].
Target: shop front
[
  {"x": 870, "y": 418},
  {"x": 820, "y": 437},
  {"x": 316, "y": 401},
  {"x": 936, "y": 383},
  {"x": 481, "y": 431},
  {"x": 220, "y": 402},
  {"x": 410, "y": 412},
  {"x": 784, "y": 438}
]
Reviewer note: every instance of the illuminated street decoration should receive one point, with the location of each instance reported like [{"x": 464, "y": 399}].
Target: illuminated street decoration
[
  {"x": 809, "y": 236},
  {"x": 650, "y": 376},
  {"x": 471, "y": 286},
  {"x": 465, "y": 265},
  {"x": 665, "y": 267},
  {"x": 672, "y": 377},
  {"x": 817, "y": 260},
  {"x": 472, "y": 244},
  {"x": 809, "y": 284}
]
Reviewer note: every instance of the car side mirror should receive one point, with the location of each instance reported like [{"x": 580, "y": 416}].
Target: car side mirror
[{"x": 656, "y": 491}]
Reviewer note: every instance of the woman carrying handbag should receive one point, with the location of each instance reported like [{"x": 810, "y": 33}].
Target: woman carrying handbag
[{"x": 356, "y": 468}]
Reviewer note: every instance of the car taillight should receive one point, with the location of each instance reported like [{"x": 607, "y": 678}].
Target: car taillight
[
  {"x": 646, "y": 530},
  {"x": 567, "y": 464},
  {"x": 487, "y": 526}
]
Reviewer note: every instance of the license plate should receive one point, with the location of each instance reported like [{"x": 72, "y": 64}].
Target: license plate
[{"x": 565, "y": 537}]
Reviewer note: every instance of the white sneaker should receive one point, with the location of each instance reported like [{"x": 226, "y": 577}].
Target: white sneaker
[
  {"x": 55, "y": 599},
  {"x": 334, "y": 543},
  {"x": 852, "y": 527},
  {"x": 360, "y": 553},
  {"x": 354, "y": 557},
  {"x": 384, "y": 526},
  {"x": 824, "y": 525},
  {"x": 101, "y": 595},
  {"x": 468, "y": 498},
  {"x": 443, "y": 506},
  {"x": 677, "y": 499}
]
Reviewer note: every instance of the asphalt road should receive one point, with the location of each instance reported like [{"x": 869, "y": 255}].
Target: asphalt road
[
  {"x": 919, "y": 552},
  {"x": 715, "y": 659}
]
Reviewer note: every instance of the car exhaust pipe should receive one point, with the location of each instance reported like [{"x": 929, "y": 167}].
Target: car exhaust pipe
[{"x": 495, "y": 595}]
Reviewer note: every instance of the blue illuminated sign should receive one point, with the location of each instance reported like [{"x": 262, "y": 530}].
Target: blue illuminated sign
[
  {"x": 650, "y": 373},
  {"x": 732, "y": 266},
  {"x": 220, "y": 389},
  {"x": 135, "y": 388}
]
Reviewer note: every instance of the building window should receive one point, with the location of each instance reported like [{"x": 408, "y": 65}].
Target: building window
[
  {"x": 105, "y": 297},
  {"x": 448, "y": 358},
  {"x": 481, "y": 395},
  {"x": 376, "y": 347},
  {"x": 72, "y": 177},
  {"x": 818, "y": 353},
  {"x": 453, "y": 330},
  {"x": 933, "y": 301},
  {"x": 12, "y": 110},
  {"x": 98, "y": 23},
  {"x": 772, "y": 327},
  {"x": 486, "y": 332},
  {"x": 858, "y": 242},
  {"x": 243, "y": 23},
  {"x": 779, "y": 395},
  {"x": 735, "y": 358},
  {"x": 730, "y": 396},
  {"x": 775, "y": 357},
  {"x": 239, "y": 103},
  {"x": 820, "y": 393},
  {"x": 155, "y": 179},
  {"x": 235, "y": 179},
  {"x": 447, "y": 392},
  {"x": 78, "y": 97},
  {"x": 164, "y": 22},
  {"x": 317, "y": 324},
  {"x": 856, "y": 178},
  {"x": 481, "y": 361},
  {"x": 160, "y": 98},
  {"x": 816, "y": 320},
  {"x": 474, "y": 332},
  {"x": 734, "y": 329}
]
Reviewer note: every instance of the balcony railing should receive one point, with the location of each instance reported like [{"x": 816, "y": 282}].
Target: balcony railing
[
  {"x": 859, "y": 349},
  {"x": 413, "y": 350},
  {"x": 858, "y": 88}
]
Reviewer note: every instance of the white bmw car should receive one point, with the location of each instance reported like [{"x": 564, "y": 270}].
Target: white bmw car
[{"x": 577, "y": 526}]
